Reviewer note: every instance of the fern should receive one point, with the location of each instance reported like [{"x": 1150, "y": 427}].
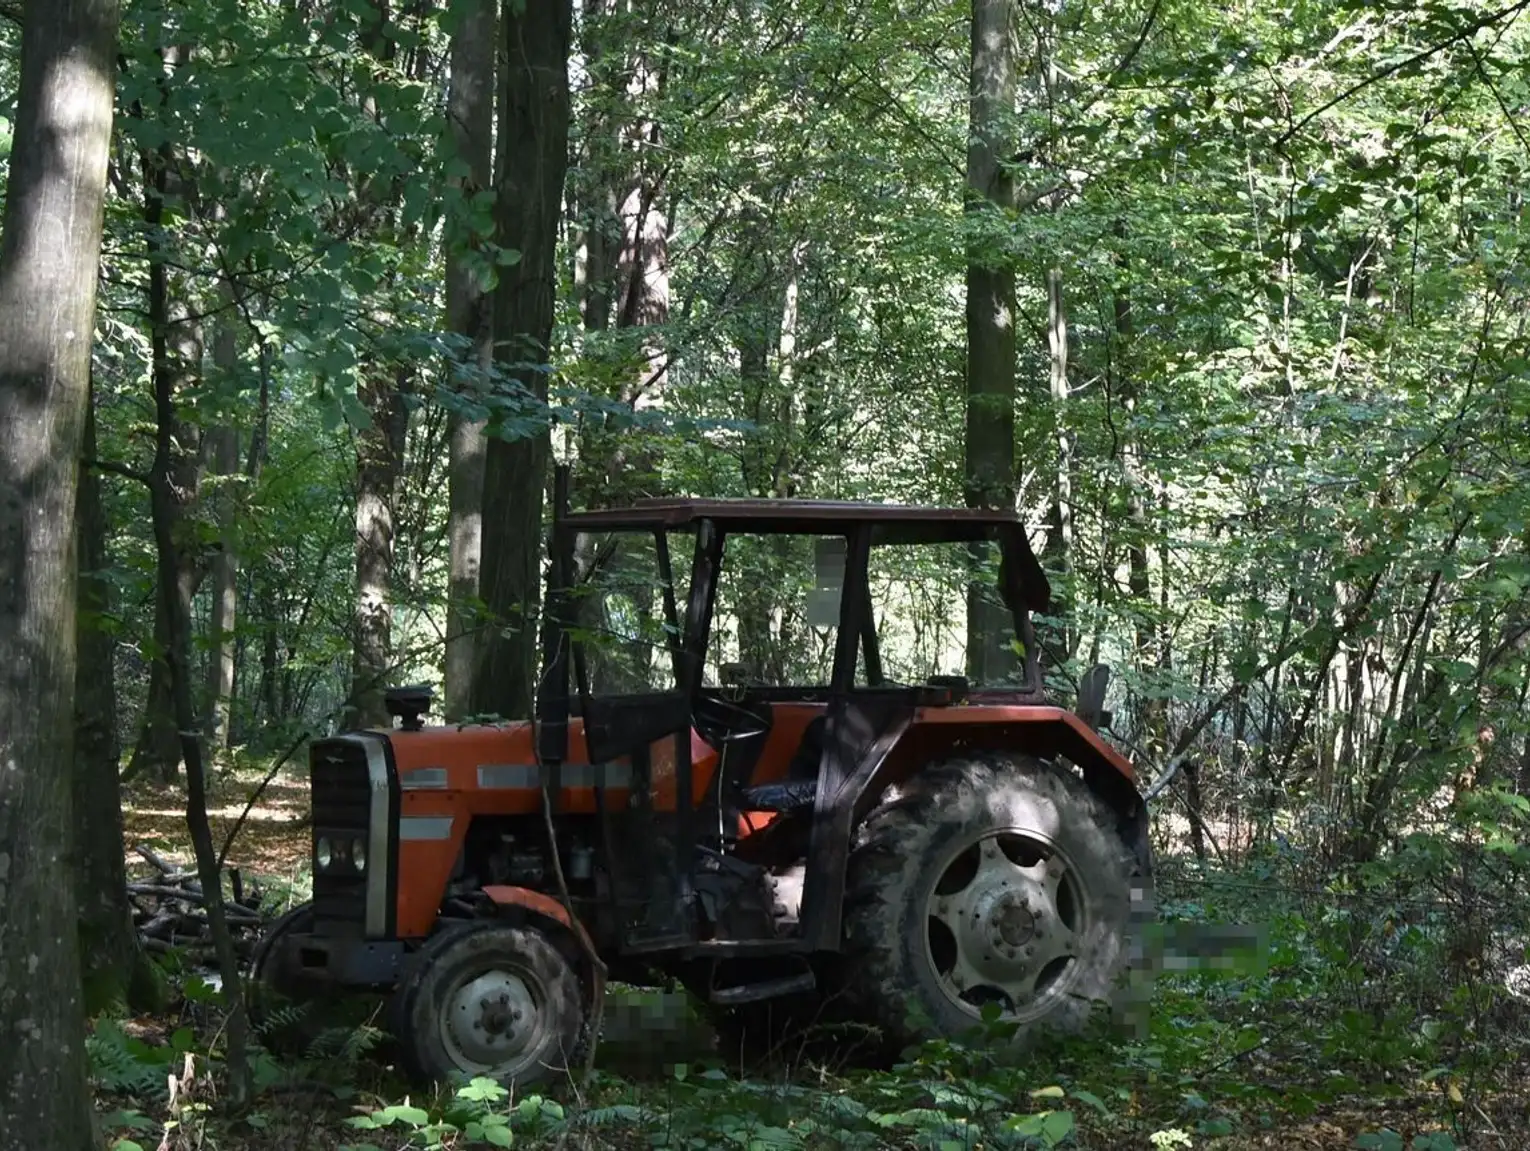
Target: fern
[
  {"x": 618, "y": 1115},
  {"x": 121, "y": 1063}
]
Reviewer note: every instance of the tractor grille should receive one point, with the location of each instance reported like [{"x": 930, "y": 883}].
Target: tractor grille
[{"x": 341, "y": 791}]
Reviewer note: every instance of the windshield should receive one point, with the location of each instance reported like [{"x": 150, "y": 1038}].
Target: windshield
[
  {"x": 620, "y": 608},
  {"x": 935, "y": 609}
]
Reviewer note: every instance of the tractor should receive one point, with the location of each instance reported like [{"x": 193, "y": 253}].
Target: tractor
[{"x": 898, "y": 855}]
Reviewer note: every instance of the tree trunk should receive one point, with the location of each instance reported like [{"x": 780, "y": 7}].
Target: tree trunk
[
  {"x": 223, "y": 453},
  {"x": 1059, "y": 543},
  {"x": 49, "y": 261},
  {"x": 532, "y": 161},
  {"x": 114, "y": 967},
  {"x": 175, "y": 602},
  {"x": 623, "y": 269},
  {"x": 379, "y": 461},
  {"x": 469, "y": 312},
  {"x": 175, "y": 364},
  {"x": 990, "y": 431}
]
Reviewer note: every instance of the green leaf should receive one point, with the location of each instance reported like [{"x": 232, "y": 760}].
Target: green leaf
[
  {"x": 402, "y": 1113},
  {"x": 1050, "y": 1127},
  {"x": 1093, "y": 1100},
  {"x": 482, "y": 1090}
]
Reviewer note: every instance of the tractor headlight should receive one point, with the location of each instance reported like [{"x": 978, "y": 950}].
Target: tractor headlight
[
  {"x": 359, "y": 854},
  {"x": 323, "y": 852}
]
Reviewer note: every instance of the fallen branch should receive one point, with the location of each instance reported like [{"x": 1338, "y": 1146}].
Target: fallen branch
[{"x": 170, "y": 912}]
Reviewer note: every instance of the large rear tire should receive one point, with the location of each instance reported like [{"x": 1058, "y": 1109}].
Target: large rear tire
[
  {"x": 493, "y": 999},
  {"x": 992, "y": 879}
]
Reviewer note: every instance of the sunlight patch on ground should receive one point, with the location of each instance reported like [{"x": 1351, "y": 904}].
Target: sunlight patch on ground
[{"x": 273, "y": 841}]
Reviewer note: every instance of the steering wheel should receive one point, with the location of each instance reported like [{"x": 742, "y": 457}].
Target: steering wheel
[{"x": 718, "y": 720}]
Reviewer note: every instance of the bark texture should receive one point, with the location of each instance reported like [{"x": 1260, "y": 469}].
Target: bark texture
[
  {"x": 114, "y": 966},
  {"x": 379, "y": 462},
  {"x": 532, "y": 162},
  {"x": 175, "y": 608},
  {"x": 470, "y": 115},
  {"x": 380, "y": 444},
  {"x": 175, "y": 365},
  {"x": 990, "y": 431},
  {"x": 49, "y": 260},
  {"x": 223, "y": 455}
]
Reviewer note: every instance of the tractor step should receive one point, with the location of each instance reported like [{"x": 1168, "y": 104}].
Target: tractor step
[
  {"x": 766, "y": 989},
  {"x": 642, "y": 942}
]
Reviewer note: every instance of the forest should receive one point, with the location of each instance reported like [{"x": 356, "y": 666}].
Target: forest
[{"x": 302, "y": 303}]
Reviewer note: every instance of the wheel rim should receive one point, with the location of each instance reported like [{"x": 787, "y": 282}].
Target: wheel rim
[
  {"x": 1006, "y": 922},
  {"x": 494, "y": 1021}
]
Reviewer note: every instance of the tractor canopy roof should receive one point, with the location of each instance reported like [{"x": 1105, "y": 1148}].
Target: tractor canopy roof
[{"x": 890, "y": 524}]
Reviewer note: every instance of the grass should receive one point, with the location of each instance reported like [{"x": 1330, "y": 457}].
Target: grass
[{"x": 1354, "y": 1023}]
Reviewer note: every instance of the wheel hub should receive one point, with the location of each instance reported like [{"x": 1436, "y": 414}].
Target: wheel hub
[
  {"x": 1006, "y": 909},
  {"x": 1001, "y": 925},
  {"x": 493, "y": 1018},
  {"x": 1013, "y": 923}
]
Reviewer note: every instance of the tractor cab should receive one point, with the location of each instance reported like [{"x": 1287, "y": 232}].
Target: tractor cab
[{"x": 753, "y": 663}]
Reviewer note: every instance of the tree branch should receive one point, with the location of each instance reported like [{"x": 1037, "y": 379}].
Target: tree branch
[
  {"x": 1407, "y": 62},
  {"x": 117, "y": 469}
]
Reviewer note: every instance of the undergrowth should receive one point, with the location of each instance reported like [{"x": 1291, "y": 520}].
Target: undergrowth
[{"x": 1371, "y": 999}]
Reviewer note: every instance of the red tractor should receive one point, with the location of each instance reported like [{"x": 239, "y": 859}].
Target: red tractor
[{"x": 898, "y": 854}]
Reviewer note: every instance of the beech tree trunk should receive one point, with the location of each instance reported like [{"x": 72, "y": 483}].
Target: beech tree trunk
[
  {"x": 1059, "y": 543},
  {"x": 469, "y": 312},
  {"x": 379, "y": 461},
  {"x": 532, "y": 162},
  {"x": 109, "y": 950},
  {"x": 175, "y": 602},
  {"x": 175, "y": 364},
  {"x": 379, "y": 452},
  {"x": 223, "y": 455},
  {"x": 622, "y": 274},
  {"x": 990, "y": 431},
  {"x": 49, "y": 260}
]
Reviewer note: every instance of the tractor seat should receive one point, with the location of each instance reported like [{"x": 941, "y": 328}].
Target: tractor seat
[{"x": 792, "y": 795}]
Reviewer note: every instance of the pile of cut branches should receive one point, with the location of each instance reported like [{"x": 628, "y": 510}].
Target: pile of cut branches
[{"x": 170, "y": 911}]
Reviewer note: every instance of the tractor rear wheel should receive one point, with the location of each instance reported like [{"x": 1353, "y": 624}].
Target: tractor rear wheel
[
  {"x": 992, "y": 879},
  {"x": 492, "y": 999}
]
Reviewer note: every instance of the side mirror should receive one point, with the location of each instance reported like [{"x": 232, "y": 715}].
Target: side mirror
[
  {"x": 734, "y": 675},
  {"x": 1091, "y": 696}
]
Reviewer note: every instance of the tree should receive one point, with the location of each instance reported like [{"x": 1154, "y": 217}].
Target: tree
[
  {"x": 990, "y": 437},
  {"x": 383, "y": 391},
  {"x": 114, "y": 966},
  {"x": 469, "y": 312},
  {"x": 532, "y": 160},
  {"x": 49, "y": 258}
]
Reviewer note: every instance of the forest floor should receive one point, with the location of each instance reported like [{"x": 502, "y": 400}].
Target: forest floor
[{"x": 1350, "y": 1024}]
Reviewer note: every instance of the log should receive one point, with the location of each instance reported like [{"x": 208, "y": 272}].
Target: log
[
  {"x": 184, "y": 894},
  {"x": 170, "y": 911}
]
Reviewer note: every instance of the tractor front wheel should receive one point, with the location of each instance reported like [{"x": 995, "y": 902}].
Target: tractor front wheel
[
  {"x": 492, "y": 999},
  {"x": 280, "y": 1002},
  {"x": 992, "y": 879}
]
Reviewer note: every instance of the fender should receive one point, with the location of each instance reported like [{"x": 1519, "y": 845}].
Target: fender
[
  {"x": 1046, "y": 731},
  {"x": 538, "y": 905}
]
